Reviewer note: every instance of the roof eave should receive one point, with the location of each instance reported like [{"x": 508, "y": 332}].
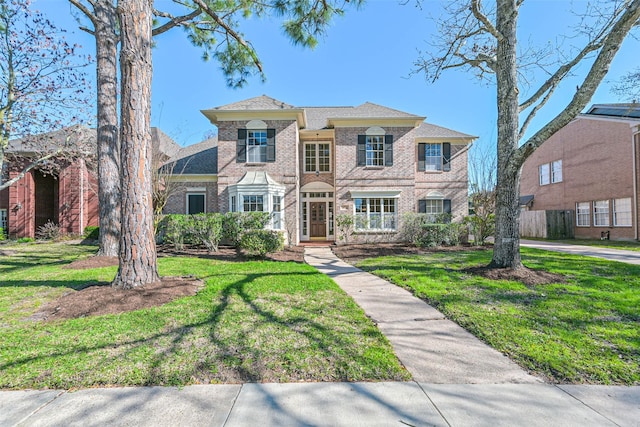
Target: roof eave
[{"x": 216, "y": 116}]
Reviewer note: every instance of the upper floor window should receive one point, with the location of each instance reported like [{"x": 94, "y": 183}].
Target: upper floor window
[
  {"x": 582, "y": 214},
  {"x": 317, "y": 157},
  {"x": 601, "y": 213},
  {"x": 434, "y": 156},
  {"x": 375, "y": 150},
  {"x": 256, "y": 146},
  {"x": 556, "y": 171},
  {"x": 543, "y": 172}
]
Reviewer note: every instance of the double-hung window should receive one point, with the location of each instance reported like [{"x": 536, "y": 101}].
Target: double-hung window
[
  {"x": 256, "y": 146},
  {"x": 317, "y": 157},
  {"x": 622, "y": 212},
  {"x": 601, "y": 213},
  {"x": 434, "y": 208},
  {"x": 583, "y": 210},
  {"x": 434, "y": 157},
  {"x": 375, "y": 214},
  {"x": 556, "y": 171},
  {"x": 543, "y": 173},
  {"x": 375, "y": 150}
]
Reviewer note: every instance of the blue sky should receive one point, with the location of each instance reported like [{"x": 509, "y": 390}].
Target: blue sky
[{"x": 367, "y": 55}]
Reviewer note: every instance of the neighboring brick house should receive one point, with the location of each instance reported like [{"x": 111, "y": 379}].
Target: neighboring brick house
[
  {"x": 590, "y": 167},
  {"x": 307, "y": 165},
  {"x": 64, "y": 190}
]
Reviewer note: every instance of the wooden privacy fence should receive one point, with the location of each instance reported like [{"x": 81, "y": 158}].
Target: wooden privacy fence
[{"x": 547, "y": 224}]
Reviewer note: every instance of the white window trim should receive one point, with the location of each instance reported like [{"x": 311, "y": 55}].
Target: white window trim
[
  {"x": 382, "y": 213},
  {"x": 554, "y": 173},
  {"x": 615, "y": 213},
  {"x": 595, "y": 222},
  {"x": 367, "y": 151},
  {"x": 317, "y": 170},
  {"x": 547, "y": 174},
  {"x": 588, "y": 215},
  {"x": 440, "y": 165},
  {"x": 195, "y": 193}
]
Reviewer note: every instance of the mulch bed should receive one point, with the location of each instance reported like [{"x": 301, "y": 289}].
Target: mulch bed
[{"x": 103, "y": 299}]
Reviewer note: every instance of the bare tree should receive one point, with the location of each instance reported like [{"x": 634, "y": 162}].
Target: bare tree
[
  {"x": 482, "y": 193},
  {"x": 484, "y": 39},
  {"x": 628, "y": 87},
  {"x": 42, "y": 88}
]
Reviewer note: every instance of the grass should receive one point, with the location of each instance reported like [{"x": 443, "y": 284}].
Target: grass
[
  {"x": 586, "y": 330},
  {"x": 253, "y": 321}
]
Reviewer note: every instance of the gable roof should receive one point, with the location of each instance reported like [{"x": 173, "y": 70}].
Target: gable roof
[
  {"x": 81, "y": 140},
  {"x": 262, "y": 102},
  {"x": 197, "y": 159},
  {"x": 428, "y": 130}
]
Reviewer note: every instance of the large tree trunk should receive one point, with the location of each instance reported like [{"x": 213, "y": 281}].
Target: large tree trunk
[
  {"x": 105, "y": 23},
  {"x": 138, "y": 264},
  {"x": 506, "y": 252}
]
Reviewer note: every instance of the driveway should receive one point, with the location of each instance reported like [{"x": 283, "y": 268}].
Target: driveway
[{"x": 630, "y": 257}]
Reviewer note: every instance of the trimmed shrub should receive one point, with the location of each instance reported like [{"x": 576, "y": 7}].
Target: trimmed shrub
[
  {"x": 175, "y": 230},
  {"x": 421, "y": 230},
  {"x": 345, "y": 224},
  {"x": 48, "y": 231},
  {"x": 91, "y": 232},
  {"x": 2, "y": 235},
  {"x": 235, "y": 224},
  {"x": 206, "y": 228},
  {"x": 261, "y": 242}
]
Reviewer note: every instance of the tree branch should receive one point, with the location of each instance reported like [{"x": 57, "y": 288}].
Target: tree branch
[
  {"x": 26, "y": 170},
  {"x": 230, "y": 31},
  {"x": 610, "y": 46},
  {"x": 482, "y": 18},
  {"x": 174, "y": 21}
]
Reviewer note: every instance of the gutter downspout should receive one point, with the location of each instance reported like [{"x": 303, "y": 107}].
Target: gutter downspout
[{"x": 635, "y": 133}]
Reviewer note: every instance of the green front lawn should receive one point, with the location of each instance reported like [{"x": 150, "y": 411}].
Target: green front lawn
[
  {"x": 586, "y": 330},
  {"x": 253, "y": 321}
]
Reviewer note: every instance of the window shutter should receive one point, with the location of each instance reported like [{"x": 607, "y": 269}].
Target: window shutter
[
  {"x": 446, "y": 206},
  {"x": 446, "y": 156},
  {"x": 388, "y": 150},
  {"x": 241, "y": 146},
  {"x": 422, "y": 206},
  {"x": 362, "y": 150},
  {"x": 271, "y": 145},
  {"x": 421, "y": 156}
]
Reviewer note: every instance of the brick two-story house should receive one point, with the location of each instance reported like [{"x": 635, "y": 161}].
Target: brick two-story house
[
  {"x": 590, "y": 168},
  {"x": 307, "y": 165}
]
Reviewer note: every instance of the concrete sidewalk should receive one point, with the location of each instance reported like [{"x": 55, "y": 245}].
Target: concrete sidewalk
[
  {"x": 458, "y": 381},
  {"x": 630, "y": 257},
  {"x": 327, "y": 404}
]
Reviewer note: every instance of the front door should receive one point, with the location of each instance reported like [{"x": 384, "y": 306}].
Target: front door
[{"x": 318, "y": 219}]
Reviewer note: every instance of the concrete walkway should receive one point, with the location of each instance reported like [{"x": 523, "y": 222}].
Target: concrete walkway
[
  {"x": 630, "y": 257},
  {"x": 458, "y": 381}
]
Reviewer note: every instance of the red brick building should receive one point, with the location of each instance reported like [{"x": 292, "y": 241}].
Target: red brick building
[
  {"x": 64, "y": 190},
  {"x": 591, "y": 168}
]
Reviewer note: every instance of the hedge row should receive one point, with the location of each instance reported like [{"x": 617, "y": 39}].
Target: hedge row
[{"x": 240, "y": 229}]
